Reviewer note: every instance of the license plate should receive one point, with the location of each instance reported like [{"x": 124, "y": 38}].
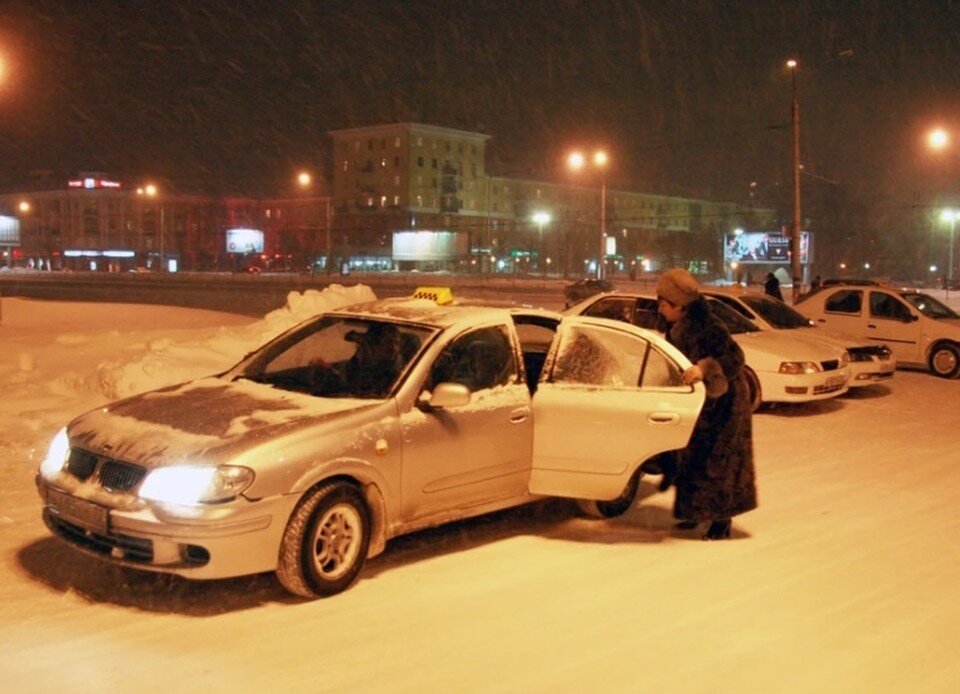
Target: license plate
[
  {"x": 78, "y": 511},
  {"x": 835, "y": 381}
]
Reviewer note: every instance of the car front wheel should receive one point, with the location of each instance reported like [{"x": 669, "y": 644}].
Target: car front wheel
[
  {"x": 945, "y": 360},
  {"x": 326, "y": 541}
]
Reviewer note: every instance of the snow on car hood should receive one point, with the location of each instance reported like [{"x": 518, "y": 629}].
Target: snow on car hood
[
  {"x": 186, "y": 421},
  {"x": 764, "y": 350}
]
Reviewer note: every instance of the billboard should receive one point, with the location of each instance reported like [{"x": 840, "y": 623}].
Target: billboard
[
  {"x": 429, "y": 245},
  {"x": 244, "y": 241},
  {"x": 763, "y": 247}
]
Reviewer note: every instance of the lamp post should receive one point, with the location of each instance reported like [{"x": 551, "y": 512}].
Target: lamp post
[
  {"x": 950, "y": 216},
  {"x": 577, "y": 161},
  {"x": 795, "y": 269},
  {"x": 540, "y": 218}
]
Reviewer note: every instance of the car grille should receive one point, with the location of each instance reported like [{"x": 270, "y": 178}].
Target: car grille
[
  {"x": 130, "y": 548},
  {"x": 823, "y": 390},
  {"x": 868, "y": 352},
  {"x": 113, "y": 475},
  {"x": 830, "y": 365}
]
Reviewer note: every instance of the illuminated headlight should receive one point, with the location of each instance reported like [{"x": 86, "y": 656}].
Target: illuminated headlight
[
  {"x": 57, "y": 455},
  {"x": 189, "y": 485},
  {"x": 799, "y": 367}
]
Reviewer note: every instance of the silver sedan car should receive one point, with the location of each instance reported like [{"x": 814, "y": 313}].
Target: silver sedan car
[{"x": 362, "y": 424}]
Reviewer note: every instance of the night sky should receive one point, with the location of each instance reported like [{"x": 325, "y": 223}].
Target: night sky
[{"x": 691, "y": 98}]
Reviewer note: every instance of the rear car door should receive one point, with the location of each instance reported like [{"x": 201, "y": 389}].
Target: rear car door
[
  {"x": 893, "y": 322},
  {"x": 610, "y": 396}
]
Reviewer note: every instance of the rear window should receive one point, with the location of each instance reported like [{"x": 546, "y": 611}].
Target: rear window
[{"x": 844, "y": 301}]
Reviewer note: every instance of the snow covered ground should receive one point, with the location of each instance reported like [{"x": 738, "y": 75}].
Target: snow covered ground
[{"x": 845, "y": 579}]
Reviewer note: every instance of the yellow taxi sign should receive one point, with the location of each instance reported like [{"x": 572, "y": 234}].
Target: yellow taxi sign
[{"x": 438, "y": 295}]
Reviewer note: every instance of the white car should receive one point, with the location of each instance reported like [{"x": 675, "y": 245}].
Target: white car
[
  {"x": 363, "y": 424},
  {"x": 779, "y": 367},
  {"x": 869, "y": 362},
  {"x": 920, "y": 330}
]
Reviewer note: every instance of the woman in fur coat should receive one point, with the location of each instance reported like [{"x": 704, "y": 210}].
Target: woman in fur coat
[{"x": 715, "y": 476}]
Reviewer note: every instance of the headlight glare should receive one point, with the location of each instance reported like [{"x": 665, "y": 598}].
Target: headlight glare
[
  {"x": 57, "y": 455},
  {"x": 799, "y": 367},
  {"x": 188, "y": 485}
]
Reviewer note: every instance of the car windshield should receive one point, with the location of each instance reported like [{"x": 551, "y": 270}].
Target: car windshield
[
  {"x": 736, "y": 323},
  {"x": 339, "y": 357},
  {"x": 776, "y": 313},
  {"x": 928, "y": 306}
]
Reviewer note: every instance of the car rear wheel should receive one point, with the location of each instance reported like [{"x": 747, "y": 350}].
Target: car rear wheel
[
  {"x": 945, "y": 360},
  {"x": 614, "y": 507},
  {"x": 326, "y": 541},
  {"x": 753, "y": 390}
]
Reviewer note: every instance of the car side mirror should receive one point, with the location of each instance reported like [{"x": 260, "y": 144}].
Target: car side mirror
[
  {"x": 444, "y": 396},
  {"x": 912, "y": 318}
]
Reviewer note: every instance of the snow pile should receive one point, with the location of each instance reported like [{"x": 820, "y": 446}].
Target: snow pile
[{"x": 165, "y": 361}]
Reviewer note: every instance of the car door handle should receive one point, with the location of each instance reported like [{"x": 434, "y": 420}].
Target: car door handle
[
  {"x": 821, "y": 320},
  {"x": 663, "y": 418},
  {"x": 871, "y": 325},
  {"x": 518, "y": 416}
]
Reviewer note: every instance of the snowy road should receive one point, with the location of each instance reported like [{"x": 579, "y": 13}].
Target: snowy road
[{"x": 845, "y": 579}]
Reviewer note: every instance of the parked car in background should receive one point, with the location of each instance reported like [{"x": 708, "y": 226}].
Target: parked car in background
[
  {"x": 779, "y": 366},
  {"x": 921, "y": 330},
  {"x": 362, "y": 424},
  {"x": 581, "y": 289},
  {"x": 869, "y": 362}
]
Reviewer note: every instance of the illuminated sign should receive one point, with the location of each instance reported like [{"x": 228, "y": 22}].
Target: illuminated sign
[
  {"x": 92, "y": 183},
  {"x": 9, "y": 230},
  {"x": 244, "y": 241},
  {"x": 763, "y": 247},
  {"x": 429, "y": 245}
]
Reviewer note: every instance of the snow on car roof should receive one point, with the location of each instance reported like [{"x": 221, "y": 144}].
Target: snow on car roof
[{"x": 426, "y": 312}]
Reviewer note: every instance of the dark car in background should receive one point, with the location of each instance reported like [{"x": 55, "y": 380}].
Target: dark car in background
[{"x": 581, "y": 289}]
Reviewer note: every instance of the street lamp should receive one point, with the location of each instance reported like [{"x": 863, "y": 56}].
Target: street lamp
[
  {"x": 540, "y": 218},
  {"x": 795, "y": 227},
  {"x": 950, "y": 216},
  {"x": 577, "y": 161}
]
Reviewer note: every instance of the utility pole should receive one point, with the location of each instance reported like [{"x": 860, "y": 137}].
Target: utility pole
[{"x": 795, "y": 265}]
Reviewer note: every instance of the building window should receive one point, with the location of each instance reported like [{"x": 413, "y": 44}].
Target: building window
[
  {"x": 369, "y": 145},
  {"x": 446, "y": 146},
  {"x": 396, "y": 200},
  {"x": 346, "y": 166},
  {"x": 419, "y": 142},
  {"x": 396, "y": 142},
  {"x": 356, "y": 146},
  {"x": 419, "y": 179},
  {"x": 396, "y": 162},
  {"x": 433, "y": 144},
  {"x": 383, "y": 201},
  {"x": 419, "y": 201},
  {"x": 434, "y": 161},
  {"x": 383, "y": 163},
  {"x": 420, "y": 162},
  {"x": 383, "y": 143},
  {"x": 396, "y": 181}
]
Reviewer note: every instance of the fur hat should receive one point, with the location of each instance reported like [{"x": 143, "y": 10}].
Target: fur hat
[{"x": 678, "y": 287}]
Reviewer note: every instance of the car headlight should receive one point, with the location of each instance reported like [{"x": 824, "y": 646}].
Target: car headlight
[
  {"x": 57, "y": 455},
  {"x": 188, "y": 485},
  {"x": 799, "y": 367}
]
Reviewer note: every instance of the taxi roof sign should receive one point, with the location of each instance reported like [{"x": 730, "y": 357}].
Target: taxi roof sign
[{"x": 438, "y": 295}]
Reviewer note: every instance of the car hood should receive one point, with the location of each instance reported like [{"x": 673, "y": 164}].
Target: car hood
[
  {"x": 198, "y": 419},
  {"x": 764, "y": 350}
]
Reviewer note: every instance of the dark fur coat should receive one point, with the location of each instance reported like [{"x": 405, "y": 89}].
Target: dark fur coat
[{"x": 715, "y": 476}]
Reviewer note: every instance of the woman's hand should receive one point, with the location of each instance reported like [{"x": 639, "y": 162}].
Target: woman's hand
[{"x": 693, "y": 374}]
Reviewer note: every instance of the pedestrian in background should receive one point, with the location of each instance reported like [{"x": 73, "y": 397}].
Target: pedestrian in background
[
  {"x": 715, "y": 478},
  {"x": 772, "y": 286}
]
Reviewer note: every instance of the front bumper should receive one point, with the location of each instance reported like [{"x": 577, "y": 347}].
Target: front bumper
[
  {"x": 866, "y": 373},
  {"x": 232, "y": 539},
  {"x": 822, "y": 385}
]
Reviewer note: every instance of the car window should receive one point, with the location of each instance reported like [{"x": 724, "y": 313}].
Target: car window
[
  {"x": 928, "y": 306},
  {"x": 734, "y": 304},
  {"x": 777, "y": 313},
  {"x": 479, "y": 359},
  {"x": 735, "y": 322},
  {"x": 615, "y": 307},
  {"x": 601, "y": 357},
  {"x": 339, "y": 357},
  {"x": 883, "y": 305},
  {"x": 844, "y": 301}
]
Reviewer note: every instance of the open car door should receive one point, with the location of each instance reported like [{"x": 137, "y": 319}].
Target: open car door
[{"x": 610, "y": 396}]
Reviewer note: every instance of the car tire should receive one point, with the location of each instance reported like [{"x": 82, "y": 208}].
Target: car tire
[
  {"x": 614, "y": 507},
  {"x": 326, "y": 541},
  {"x": 753, "y": 389},
  {"x": 945, "y": 360}
]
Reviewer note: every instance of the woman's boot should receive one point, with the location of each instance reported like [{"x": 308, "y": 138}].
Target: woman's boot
[{"x": 718, "y": 530}]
